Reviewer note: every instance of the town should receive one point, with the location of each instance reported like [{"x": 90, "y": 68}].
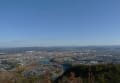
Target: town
[{"x": 56, "y": 61}]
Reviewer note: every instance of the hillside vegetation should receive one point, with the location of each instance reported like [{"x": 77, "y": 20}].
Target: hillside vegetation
[{"x": 108, "y": 73}]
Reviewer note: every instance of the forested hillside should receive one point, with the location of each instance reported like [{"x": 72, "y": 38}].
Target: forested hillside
[{"x": 91, "y": 74}]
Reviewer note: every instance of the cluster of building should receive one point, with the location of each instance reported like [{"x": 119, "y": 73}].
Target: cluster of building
[{"x": 55, "y": 62}]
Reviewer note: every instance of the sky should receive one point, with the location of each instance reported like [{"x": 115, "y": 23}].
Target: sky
[{"x": 59, "y": 22}]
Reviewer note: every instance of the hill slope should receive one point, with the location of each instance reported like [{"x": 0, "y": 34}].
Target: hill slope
[{"x": 92, "y": 74}]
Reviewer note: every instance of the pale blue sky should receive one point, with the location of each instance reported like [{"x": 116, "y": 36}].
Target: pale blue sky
[{"x": 59, "y": 22}]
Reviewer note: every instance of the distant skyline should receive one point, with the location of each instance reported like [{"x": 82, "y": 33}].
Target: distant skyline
[{"x": 26, "y": 23}]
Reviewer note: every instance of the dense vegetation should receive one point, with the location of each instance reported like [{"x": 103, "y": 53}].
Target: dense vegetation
[
  {"x": 92, "y": 74},
  {"x": 109, "y": 73}
]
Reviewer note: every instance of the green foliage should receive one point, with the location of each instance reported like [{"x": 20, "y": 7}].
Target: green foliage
[
  {"x": 109, "y": 73},
  {"x": 102, "y": 73}
]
